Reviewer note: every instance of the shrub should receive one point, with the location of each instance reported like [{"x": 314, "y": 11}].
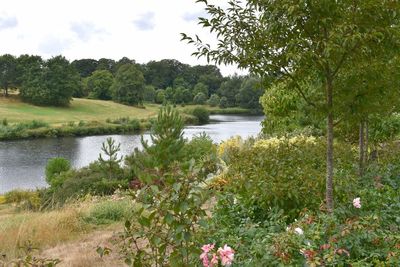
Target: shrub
[
  {"x": 4, "y": 122},
  {"x": 108, "y": 212},
  {"x": 288, "y": 174},
  {"x": 29, "y": 200},
  {"x": 202, "y": 115},
  {"x": 54, "y": 168}
]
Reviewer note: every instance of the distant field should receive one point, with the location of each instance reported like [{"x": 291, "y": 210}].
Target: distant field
[{"x": 80, "y": 109}]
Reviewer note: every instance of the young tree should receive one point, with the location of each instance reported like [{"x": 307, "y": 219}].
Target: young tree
[
  {"x": 166, "y": 138},
  {"x": 111, "y": 163},
  {"x": 301, "y": 41},
  {"x": 128, "y": 86}
]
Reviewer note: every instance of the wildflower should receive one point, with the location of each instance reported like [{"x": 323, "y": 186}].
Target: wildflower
[
  {"x": 226, "y": 254},
  {"x": 357, "y": 203},
  {"x": 298, "y": 231}
]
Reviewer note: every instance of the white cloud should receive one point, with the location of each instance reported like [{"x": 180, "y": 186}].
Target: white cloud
[{"x": 142, "y": 30}]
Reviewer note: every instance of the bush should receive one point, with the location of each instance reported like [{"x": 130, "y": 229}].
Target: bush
[
  {"x": 288, "y": 174},
  {"x": 108, "y": 212},
  {"x": 88, "y": 180},
  {"x": 29, "y": 200},
  {"x": 202, "y": 115},
  {"x": 54, "y": 168}
]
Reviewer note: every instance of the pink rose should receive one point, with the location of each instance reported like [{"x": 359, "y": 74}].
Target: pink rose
[{"x": 226, "y": 254}]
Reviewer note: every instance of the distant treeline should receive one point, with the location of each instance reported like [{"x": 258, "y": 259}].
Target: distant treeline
[{"x": 55, "y": 81}]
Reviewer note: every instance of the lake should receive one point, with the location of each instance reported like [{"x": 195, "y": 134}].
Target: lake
[{"x": 22, "y": 162}]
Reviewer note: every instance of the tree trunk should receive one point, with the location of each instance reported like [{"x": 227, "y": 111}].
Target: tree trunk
[
  {"x": 329, "y": 147},
  {"x": 366, "y": 150},
  {"x": 361, "y": 143}
]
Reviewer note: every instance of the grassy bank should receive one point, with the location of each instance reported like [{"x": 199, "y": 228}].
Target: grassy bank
[
  {"x": 73, "y": 224},
  {"x": 84, "y": 117}
]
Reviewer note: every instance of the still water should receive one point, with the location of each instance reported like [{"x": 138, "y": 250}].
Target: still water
[{"x": 22, "y": 162}]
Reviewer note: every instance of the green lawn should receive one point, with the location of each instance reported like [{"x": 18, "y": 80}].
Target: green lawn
[{"x": 80, "y": 109}]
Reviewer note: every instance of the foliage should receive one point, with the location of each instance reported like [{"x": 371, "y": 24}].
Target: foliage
[
  {"x": 200, "y": 99},
  {"x": 160, "y": 96},
  {"x": 166, "y": 138},
  {"x": 223, "y": 102},
  {"x": 315, "y": 43},
  {"x": 128, "y": 86},
  {"x": 24, "y": 199},
  {"x": 8, "y": 72},
  {"x": 149, "y": 94},
  {"x": 214, "y": 100},
  {"x": 167, "y": 216},
  {"x": 249, "y": 94},
  {"x": 110, "y": 166},
  {"x": 266, "y": 174},
  {"x": 202, "y": 115},
  {"x": 54, "y": 168},
  {"x": 51, "y": 84},
  {"x": 88, "y": 180},
  {"x": 99, "y": 85}
]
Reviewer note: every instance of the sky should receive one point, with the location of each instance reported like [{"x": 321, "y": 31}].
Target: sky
[{"x": 142, "y": 30}]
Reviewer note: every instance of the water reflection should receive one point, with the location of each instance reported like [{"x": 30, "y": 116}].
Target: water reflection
[{"x": 22, "y": 162}]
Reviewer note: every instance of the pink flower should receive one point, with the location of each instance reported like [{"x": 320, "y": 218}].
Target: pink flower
[
  {"x": 226, "y": 254},
  {"x": 214, "y": 260},
  {"x": 204, "y": 256},
  {"x": 357, "y": 203}
]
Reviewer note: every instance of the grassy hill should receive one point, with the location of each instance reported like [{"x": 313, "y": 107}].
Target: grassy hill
[{"x": 79, "y": 110}]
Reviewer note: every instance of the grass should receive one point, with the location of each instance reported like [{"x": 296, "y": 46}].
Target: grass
[
  {"x": 57, "y": 227},
  {"x": 79, "y": 110}
]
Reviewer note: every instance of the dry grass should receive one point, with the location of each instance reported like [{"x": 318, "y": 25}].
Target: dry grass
[
  {"x": 43, "y": 229},
  {"x": 83, "y": 253}
]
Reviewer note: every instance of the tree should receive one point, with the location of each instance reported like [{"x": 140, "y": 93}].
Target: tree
[
  {"x": 166, "y": 138},
  {"x": 51, "y": 84},
  {"x": 161, "y": 74},
  {"x": 106, "y": 64},
  {"x": 8, "y": 65},
  {"x": 111, "y": 164},
  {"x": 200, "y": 99},
  {"x": 128, "y": 86},
  {"x": 300, "y": 42},
  {"x": 99, "y": 84},
  {"x": 230, "y": 88},
  {"x": 54, "y": 168},
  {"x": 249, "y": 94},
  {"x": 25, "y": 65},
  {"x": 200, "y": 88},
  {"x": 160, "y": 96},
  {"x": 85, "y": 67},
  {"x": 149, "y": 93},
  {"x": 213, "y": 100}
]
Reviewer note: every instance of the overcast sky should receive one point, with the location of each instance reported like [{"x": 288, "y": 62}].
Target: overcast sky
[{"x": 143, "y": 30}]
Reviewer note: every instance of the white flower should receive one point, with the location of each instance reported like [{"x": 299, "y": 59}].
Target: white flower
[
  {"x": 298, "y": 231},
  {"x": 357, "y": 203}
]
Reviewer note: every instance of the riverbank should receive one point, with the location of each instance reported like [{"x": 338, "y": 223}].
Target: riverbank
[{"x": 84, "y": 117}]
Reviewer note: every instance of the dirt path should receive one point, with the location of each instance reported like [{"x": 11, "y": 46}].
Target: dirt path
[{"x": 82, "y": 252}]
